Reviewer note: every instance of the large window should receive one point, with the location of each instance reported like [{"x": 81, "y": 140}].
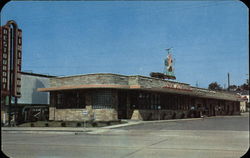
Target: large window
[
  {"x": 149, "y": 101},
  {"x": 103, "y": 99},
  {"x": 70, "y": 99}
]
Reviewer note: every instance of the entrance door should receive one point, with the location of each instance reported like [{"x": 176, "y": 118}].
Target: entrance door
[{"x": 122, "y": 105}]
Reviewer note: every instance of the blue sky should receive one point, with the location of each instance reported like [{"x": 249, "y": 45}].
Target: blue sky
[{"x": 209, "y": 38}]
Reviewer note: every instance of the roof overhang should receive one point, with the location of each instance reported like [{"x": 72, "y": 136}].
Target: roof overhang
[
  {"x": 75, "y": 87},
  {"x": 189, "y": 92}
]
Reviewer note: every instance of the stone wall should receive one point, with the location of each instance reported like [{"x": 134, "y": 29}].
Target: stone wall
[
  {"x": 158, "y": 115},
  {"x": 4, "y": 117},
  {"x": 148, "y": 82},
  {"x": 90, "y": 79},
  {"x": 68, "y": 115},
  {"x": 133, "y": 80},
  {"x": 105, "y": 114},
  {"x": 77, "y": 114},
  {"x": 52, "y": 113},
  {"x": 243, "y": 105}
]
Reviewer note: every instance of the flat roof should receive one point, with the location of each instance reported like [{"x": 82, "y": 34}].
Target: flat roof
[
  {"x": 88, "y": 87},
  {"x": 186, "y": 90},
  {"x": 36, "y": 74},
  {"x": 113, "y": 74}
]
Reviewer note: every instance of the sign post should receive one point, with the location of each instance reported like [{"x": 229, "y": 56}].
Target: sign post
[
  {"x": 10, "y": 63},
  {"x": 85, "y": 114}
]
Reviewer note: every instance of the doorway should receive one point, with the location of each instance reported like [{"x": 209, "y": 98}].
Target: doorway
[{"x": 122, "y": 105}]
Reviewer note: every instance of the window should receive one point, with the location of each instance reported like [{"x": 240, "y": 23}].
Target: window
[
  {"x": 102, "y": 99},
  {"x": 59, "y": 99},
  {"x": 70, "y": 99}
]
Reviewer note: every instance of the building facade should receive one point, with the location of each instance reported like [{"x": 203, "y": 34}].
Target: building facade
[
  {"x": 31, "y": 101},
  {"x": 112, "y": 97}
]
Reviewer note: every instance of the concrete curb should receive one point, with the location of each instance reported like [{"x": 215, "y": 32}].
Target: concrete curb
[
  {"x": 145, "y": 122},
  {"x": 39, "y": 132},
  {"x": 96, "y": 130},
  {"x": 44, "y": 130},
  {"x": 173, "y": 120},
  {"x": 123, "y": 125}
]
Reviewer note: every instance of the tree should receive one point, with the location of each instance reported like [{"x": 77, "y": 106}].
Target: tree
[
  {"x": 245, "y": 86},
  {"x": 214, "y": 86},
  {"x": 232, "y": 88}
]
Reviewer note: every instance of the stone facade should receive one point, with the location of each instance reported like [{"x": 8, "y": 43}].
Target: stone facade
[
  {"x": 142, "y": 82},
  {"x": 91, "y": 79},
  {"x": 158, "y": 114},
  {"x": 105, "y": 114},
  {"x": 135, "y": 89},
  {"x": 243, "y": 106},
  {"x": 77, "y": 114}
]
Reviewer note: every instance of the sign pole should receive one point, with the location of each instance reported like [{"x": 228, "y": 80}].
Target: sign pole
[
  {"x": 84, "y": 124},
  {"x": 10, "y": 74},
  {"x": 10, "y": 64},
  {"x": 85, "y": 113}
]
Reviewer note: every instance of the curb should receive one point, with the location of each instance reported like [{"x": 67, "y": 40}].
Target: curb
[
  {"x": 145, "y": 122},
  {"x": 123, "y": 125},
  {"x": 173, "y": 120},
  {"x": 79, "y": 131},
  {"x": 38, "y": 132},
  {"x": 43, "y": 130}
]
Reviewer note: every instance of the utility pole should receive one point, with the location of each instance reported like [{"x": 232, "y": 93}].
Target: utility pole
[
  {"x": 228, "y": 80},
  {"x": 196, "y": 84},
  {"x": 247, "y": 80}
]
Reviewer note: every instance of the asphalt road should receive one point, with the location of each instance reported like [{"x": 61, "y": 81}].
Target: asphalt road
[
  {"x": 236, "y": 123},
  {"x": 157, "y": 140}
]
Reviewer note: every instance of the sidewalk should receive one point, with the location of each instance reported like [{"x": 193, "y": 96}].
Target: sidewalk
[
  {"x": 78, "y": 130},
  {"x": 92, "y": 130},
  {"x": 62, "y": 130}
]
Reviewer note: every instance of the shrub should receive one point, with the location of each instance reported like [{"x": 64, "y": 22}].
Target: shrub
[
  {"x": 174, "y": 116},
  {"x": 182, "y": 115},
  {"x": 94, "y": 124},
  {"x": 63, "y": 124},
  {"x": 78, "y": 124},
  {"x": 108, "y": 123}
]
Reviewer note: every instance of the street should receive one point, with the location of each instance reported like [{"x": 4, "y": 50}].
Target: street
[{"x": 207, "y": 138}]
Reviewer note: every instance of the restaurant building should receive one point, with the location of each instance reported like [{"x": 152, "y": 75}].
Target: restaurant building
[{"x": 107, "y": 96}]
